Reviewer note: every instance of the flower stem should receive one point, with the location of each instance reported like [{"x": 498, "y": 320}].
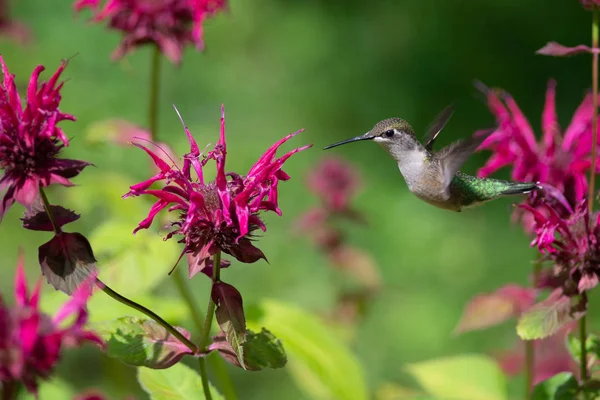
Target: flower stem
[
  {"x": 225, "y": 382},
  {"x": 595, "y": 35},
  {"x": 10, "y": 390},
  {"x": 530, "y": 344},
  {"x": 55, "y": 226},
  {"x": 216, "y": 276},
  {"x": 154, "y": 89},
  {"x": 149, "y": 313}
]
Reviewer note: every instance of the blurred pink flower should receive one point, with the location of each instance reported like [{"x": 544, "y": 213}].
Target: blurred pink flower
[
  {"x": 560, "y": 161},
  {"x": 220, "y": 215},
  {"x": 10, "y": 28},
  {"x": 170, "y": 24},
  {"x": 335, "y": 182},
  {"x": 30, "y": 341},
  {"x": 590, "y": 3},
  {"x": 30, "y": 141}
]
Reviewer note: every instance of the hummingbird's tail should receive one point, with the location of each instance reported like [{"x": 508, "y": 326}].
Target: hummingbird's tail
[{"x": 520, "y": 188}]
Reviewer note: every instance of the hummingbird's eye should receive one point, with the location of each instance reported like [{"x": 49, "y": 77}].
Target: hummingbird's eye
[{"x": 389, "y": 133}]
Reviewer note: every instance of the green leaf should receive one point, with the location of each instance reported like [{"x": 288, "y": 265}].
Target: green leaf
[
  {"x": 141, "y": 342},
  {"x": 132, "y": 264},
  {"x": 592, "y": 345},
  {"x": 230, "y": 316},
  {"x": 260, "y": 350},
  {"x": 562, "y": 386},
  {"x": 320, "y": 363},
  {"x": 464, "y": 377},
  {"x": 547, "y": 317},
  {"x": 179, "y": 382}
]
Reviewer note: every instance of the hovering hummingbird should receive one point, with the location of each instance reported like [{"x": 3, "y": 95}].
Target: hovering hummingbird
[{"x": 434, "y": 176}]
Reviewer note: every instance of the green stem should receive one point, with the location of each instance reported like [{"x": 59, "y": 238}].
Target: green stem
[
  {"x": 10, "y": 390},
  {"x": 216, "y": 276},
  {"x": 55, "y": 226},
  {"x": 217, "y": 363},
  {"x": 149, "y": 313},
  {"x": 154, "y": 90},
  {"x": 583, "y": 321},
  {"x": 530, "y": 344}
]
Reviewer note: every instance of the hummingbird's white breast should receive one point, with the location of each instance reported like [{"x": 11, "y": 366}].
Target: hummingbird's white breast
[{"x": 412, "y": 165}]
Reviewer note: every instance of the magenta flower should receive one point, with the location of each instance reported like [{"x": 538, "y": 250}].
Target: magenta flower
[
  {"x": 335, "y": 182},
  {"x": 30, "y": 140},
  {"x": 571, "y": 244},
  {"x": 558, "y": 160},
  {"x": 11, "y": 28},
  {"x": 170, "y": 24},
  {"x": 30, "y": 341},
  {"x": 220, "y": 215}
]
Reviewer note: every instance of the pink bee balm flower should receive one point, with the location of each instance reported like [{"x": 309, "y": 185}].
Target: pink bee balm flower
[
  {"x": 572, "y": 244},
  {"x": 170, "y": 24},
  {"x": 30, "y": 140},
  {"x": 560, "y": 160},
  {"x": 220, "y": 215},
  {"x": 335, "y": 182},
  {"x": 30, "y": 341}
]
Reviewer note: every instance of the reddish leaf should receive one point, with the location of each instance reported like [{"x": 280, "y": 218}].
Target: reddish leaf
[
  {"x": 558, "y": 50},
  {"x": 36, "y": 218},
  {"x": 547, "y": 317},
  {"x": 230, "y": 316},
  {"x": 67, "y": 260},
  {"x": 486, "y": 310}
]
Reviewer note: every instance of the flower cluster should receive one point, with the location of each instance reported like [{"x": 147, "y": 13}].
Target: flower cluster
[
  {"x": 220, "y": 215},
  {"x": 30, "y": 139},
  {"x": 30, "y": 341},
  {"x": 169, "y": 24},
  {"x": 559, "y": 161},
  {"x": 572, "y": 244}
]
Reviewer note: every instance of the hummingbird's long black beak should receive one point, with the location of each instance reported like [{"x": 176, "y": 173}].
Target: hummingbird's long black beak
[{"x": 366, "y": 136}]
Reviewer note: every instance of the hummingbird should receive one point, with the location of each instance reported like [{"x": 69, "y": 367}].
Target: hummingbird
[{"x": 434, "y": 176}]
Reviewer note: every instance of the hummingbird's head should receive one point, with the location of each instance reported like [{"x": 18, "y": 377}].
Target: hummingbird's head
[{"x": 393, "y": 134}]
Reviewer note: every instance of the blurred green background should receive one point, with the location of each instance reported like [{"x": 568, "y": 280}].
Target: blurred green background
[{"x": 335, "y": 68}]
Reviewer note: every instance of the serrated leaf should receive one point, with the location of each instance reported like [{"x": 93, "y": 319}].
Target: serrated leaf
[
  {"x": 546, "y": 317},
  {"x": 561, "y": 386},
  {"x": 260, "y": 350},
  {"x": 132, "y": 264},
  {"x": 230, "y": 316},
  {"x": 464, "y": 377},
  {"x": 142, "y": 342},
  {"x": 489, "y": 309},
  {"x": 179, "y": 382},
  {"x": 592, "y": 345},
  {"x": 319, "y": 362}
]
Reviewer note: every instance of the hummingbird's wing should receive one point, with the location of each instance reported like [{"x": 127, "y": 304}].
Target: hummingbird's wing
[
  {"x": 453, "y": 156},
  {"x": 436, "y": 126}
]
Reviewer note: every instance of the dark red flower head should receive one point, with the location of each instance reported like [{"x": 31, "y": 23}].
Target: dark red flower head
[
  {"x": 335, "y": 182},
  {"x": 222, "y": 214},
  {"x": 30, "y": 139},
  {"x": 170, "y": 24},
  {"x": 30, "y": 341},
  {"x": 571, "y": 244},
  {"x": 558, "y": 159}
]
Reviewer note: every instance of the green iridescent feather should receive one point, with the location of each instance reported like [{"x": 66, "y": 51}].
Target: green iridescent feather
[{"x": 474, "y": 190}]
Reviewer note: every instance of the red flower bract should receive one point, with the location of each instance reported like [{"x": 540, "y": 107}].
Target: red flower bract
[
  {"x": 219, "y": 215},
  {"x": 170, "y": 24},
  {"x": 30, "y": 341},
  {"x": 30, "y": 139},
  {"x": 558, "y": 160},
  {"x": 572, "y": 244}
]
